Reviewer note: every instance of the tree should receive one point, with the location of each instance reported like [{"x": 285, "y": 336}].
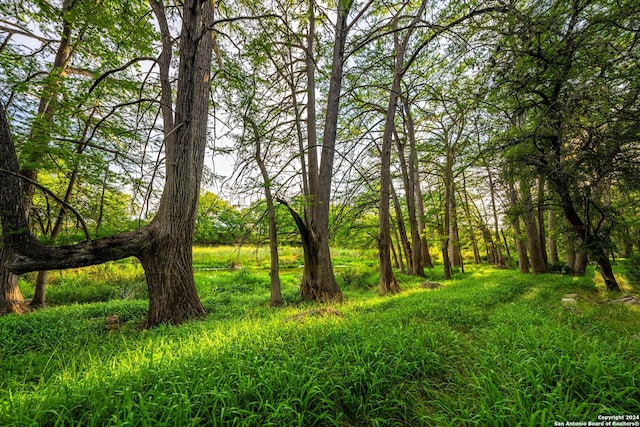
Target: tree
[
  {"x": 56, "y": 119},
  {"x": 276, "y": 294},
  {"x": 218, "y": 222},
  {"x": 163, "y": 246},
  {"x": 566, "y": 73}
]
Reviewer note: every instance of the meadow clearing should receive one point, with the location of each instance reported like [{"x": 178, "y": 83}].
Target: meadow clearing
[{"x": 491, "y": 347}]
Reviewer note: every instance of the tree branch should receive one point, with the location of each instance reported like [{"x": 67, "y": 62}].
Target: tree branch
[
  {"x": 115, "y": 70},
  {"x": 62, "y": 203}
]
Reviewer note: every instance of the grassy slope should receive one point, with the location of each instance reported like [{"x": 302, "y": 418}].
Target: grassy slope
[{"x": 490, "y": 348}]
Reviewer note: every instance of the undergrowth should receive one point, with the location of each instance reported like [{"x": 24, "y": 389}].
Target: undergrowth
[{"x": 491, "y": 347}]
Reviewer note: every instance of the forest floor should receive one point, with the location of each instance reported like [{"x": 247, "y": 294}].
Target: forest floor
[{"x": 490, "y": 347}]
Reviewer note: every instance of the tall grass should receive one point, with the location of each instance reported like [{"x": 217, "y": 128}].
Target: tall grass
[{"x": 491, "y": 347}]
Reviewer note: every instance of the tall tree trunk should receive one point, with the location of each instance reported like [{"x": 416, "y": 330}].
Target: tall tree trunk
[
  {"x": 521, "y": 248},
  {"x": 275, "y": 299},
  {"x": 538, "y": 262},
  {"x": 312, "y": 122},
  {"x": 552, "y": 240},
  {"x": 397, "y": 253},
  {"x": 388, "y": 282},
  {"x": 408, "y": 170},
  {"x": 168, "y": 259},
  {"x": 318, "y": 279},
  {"x": 447, "y": 272},
  {"x": 499, "y": 256},
  {"x": 454, "y": 238},
  {"x": 401, "y": 230},
  {"x": 426, "y": 256},
  {"x": 542, "y": 231},
  {"x": 467, "y": 210}
]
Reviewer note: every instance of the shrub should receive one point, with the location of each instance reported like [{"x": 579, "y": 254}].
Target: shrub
[
  {"x": 632, "y": 268},
  {"x": 560, "y": 267},
  {"x": 356, "y": 279}
]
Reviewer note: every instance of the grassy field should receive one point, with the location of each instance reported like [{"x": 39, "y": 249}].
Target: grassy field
[{"x": 492, "y": 347}]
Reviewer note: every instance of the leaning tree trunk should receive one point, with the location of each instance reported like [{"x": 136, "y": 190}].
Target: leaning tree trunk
[{"x": 593, "y": 243}]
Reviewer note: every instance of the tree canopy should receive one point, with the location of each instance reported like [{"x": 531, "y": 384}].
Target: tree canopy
[{"x": 484, "y": 126}]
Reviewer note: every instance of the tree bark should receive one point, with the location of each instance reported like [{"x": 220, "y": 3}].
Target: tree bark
[
  {"x": 401, "y": 230},
  {"x": 536, "y": 251},
  {"x": 318, "y": 279},
  {"x": 11, "y": 300},
  {"x": 472, "y": 232},
  {"x": 275, "y": 299},
  {"x": 408, "y": 170},
  {"x": 542, "y": 231},
  {"x": 521, "y": 248},
  {"x": 499, "y": 256},
  {"x": 455, "y": 255},
  {"x": 552, "y": 240},
  {"x": 592, "y": 243}
]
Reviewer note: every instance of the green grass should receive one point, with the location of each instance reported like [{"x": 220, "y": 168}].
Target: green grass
[{"x": 492, "y": 347}]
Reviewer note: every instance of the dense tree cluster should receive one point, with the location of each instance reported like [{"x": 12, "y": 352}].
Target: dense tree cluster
[{"x": 439, "y": 132}]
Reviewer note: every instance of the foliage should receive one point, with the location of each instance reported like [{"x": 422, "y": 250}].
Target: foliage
[
  {"x": 101, "y": 283},
  {"x": 560, "y": 267},
  {"x": 218, "y": 222},
  {"x": 632, "y": 268},
  {"x": 490, "y": 348}
]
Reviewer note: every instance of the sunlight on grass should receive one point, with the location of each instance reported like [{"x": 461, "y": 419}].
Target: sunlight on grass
[{"x": 490, "y": 347}]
